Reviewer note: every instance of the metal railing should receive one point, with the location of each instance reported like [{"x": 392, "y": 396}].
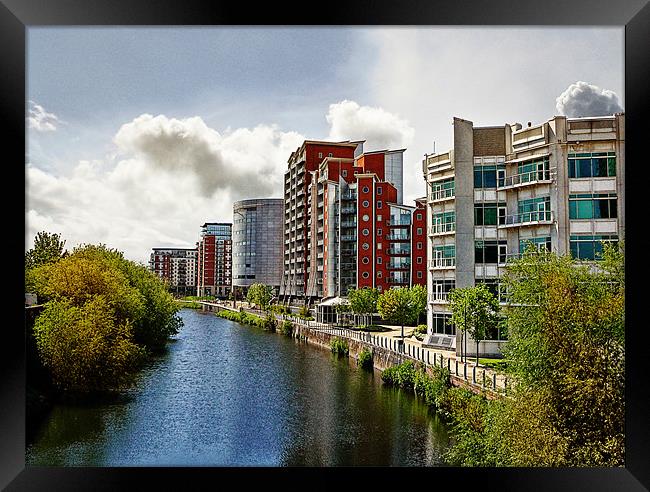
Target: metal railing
[
  {"x": 442, "y": 263},
  {"x": 443, "y": 194},
  {"x": 527, "y": 218},
  {"x": 531, "y": 177},
  {"x": 442, "y": 228}
]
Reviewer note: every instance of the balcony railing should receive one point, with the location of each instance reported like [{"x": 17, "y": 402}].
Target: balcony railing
[
  {"x": 440, "y": 263},
  {"x": 348, "y": 210},
  {"x": 348, "y": 223},
  {"x": 447, "y": 228},
  {"x": 405, "y": 221},
  {"x": 348, "y": 237},
  {"x": 399, "y": 266},
  {"x": 403, "y": 281},
  {"x": 392, "y": 251},
  {"x": 527, "y": 218},
  {"x": 444, "y": 194},
  {"x": 439, "y": 298},
  {"x": 397, "y": 237},
  {"x": 525, "y": 179}
]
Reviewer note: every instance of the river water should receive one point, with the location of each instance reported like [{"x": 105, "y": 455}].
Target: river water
[{"x": 226, "y": 394}]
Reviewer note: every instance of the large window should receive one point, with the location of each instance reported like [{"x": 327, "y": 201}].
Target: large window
[
  {"x": 444, "y": 222},
  {"x": 486, "y": 176},
  {"x": 488, "y": 213},
  {"x": 442, "y": 189},
  {"x": 592, "y": 206},
  {"x": 534, "y": 209},
  {"x": 537, "y": 242},
  {"x": 589, "y": 247},
  {"x": 441, "y": 324},
  {"x": 490, "y": 251},
  {"x": 592, "y": 165}
]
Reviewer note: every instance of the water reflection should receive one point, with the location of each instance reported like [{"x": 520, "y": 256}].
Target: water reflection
[{"x": 232, "y": 395}]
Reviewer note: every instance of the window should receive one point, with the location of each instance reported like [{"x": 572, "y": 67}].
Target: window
[
  {"x": 379, "y": 232},
  {"x": 419, "y": 246},
  {"x": 365, "y": 246},
  {"x": 344, "y": 172},
  {"x": 366, "y": 203},
  {"x": 379, "y": 274},
  {"x": 487, "y": 213},
  {"x": 592, "y": 206},
  {"x": 589, "y": 247},
  {"x": 537, "y": 242},
  {"x": 365, "y": 275},
  {"x": 330, "y": 154},
  {"x": 365, "y": 218},
  {"x": 379, "y": 260},
  {"x": 365, "y": 232},
  {"x": 365, "y": 260},
  {"x": 486, "y": 176},
  {"x": 378, "y": 245},
  {"x": 379, "y": 218},
  {"x": 592, "y": 165},
  {"x": 379, "y": 190},
  {"x": 320, "y": 155},
  {"x": 418, "y": 216},
  {"x": 534, "y": 209},
  {"x": 419, "y": 274},
  {"x": 379, "y": 204},
  {"x": 418, "y": 260},
  {"x": 419, "y": 230},
  {"x": 488, "y": 251},
  {"x": 444, "y": 222},
  {"x": 441, "y": 324},
  {"x": 365, "y": 189}
]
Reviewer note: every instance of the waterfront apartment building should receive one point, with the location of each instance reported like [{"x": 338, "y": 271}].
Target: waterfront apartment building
[
  {"x": 257, "y": 236},
  {"x": 558, "y": 185},
  {"x": 358, "y": 232},
  {"x": 178, "y": 266},
  {"x": 214, "y": 261}
]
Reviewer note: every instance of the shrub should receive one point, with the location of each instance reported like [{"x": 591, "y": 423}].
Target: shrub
[
  {"x": 286, "y": 328},
  {"x": 339, "y": 346},
  {"x": 421, "y": 329},
  {"x": 365, "y": 359}
]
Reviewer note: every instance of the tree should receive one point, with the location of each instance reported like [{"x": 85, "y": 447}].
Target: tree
[
  {"x": 363, "y": 301},
  {"x": 566, "y": 341},
  {"x": 398, "y": 306},
  {"x": 419, "y": 294},
  {"x": 260, "y": 295},
  {"x": 474, "y": 310},
  {"x": 85, "y": 347}
]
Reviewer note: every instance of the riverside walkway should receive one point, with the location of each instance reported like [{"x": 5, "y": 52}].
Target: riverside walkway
[{"x": 463, "y": 373}]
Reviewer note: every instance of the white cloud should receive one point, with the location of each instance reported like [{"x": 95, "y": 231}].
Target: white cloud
[
  {"x": 40, "y": 120},
  {"x": 168, "y": 177},
  {"x": 583, "y": 99},
  {"x": 379, "y": 128}
]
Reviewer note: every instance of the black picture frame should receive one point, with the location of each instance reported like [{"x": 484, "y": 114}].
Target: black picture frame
[{"x": 16, "y": 16}]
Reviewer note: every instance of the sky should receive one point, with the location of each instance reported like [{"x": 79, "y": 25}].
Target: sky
[{"x": 138, "y": 136}]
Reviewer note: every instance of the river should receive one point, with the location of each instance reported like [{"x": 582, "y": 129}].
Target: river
[{"x": 226, "y": 394}]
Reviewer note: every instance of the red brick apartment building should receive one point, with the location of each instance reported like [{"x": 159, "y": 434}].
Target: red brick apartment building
[
  {"x": 214, "y": 265},
  {"x": 345, "y": 224}
]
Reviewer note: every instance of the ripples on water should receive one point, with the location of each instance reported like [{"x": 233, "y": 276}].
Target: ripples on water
[{"x": 225, "y": 394}]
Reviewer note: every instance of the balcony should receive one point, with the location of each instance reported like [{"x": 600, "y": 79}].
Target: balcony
[
  {"x": 348, "y": 210},
  {"x": 348, "y": 237},
  {"x": 402, "y": 221},
  {"x": 527, "y": 219},
  {"x": 442, "y": 263},
  {"x": 398, "y": 281},
  {"x": 399, "y": 266},
  {"x": 524, "y": 179},
  {"x": 442, "y": 229},
  {"x": 397, "y": 237},
  {"x": 439, "y": 298},
  {"x": 398, "y": 252},
  {"x": 442, "y": 195},
  {"x": 348, "y": 223}
]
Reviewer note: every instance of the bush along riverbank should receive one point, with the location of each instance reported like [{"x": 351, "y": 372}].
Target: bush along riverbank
[{"x": 268, "y": 323}]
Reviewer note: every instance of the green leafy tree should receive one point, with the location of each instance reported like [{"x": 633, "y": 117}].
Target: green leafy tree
[
  {"x": 48, "y": 248},
  {"x": 86, "y": 348},
  {"x": 474, "y": 310},
  {"x": 260, "y": 295},
  {"x": 363, "y": 301},
  {"x": 398, "y": 306},
  {"x": 419, "y": 294}
]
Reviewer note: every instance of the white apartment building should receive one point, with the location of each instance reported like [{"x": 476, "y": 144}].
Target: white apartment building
[{"x": 558, "y": 185}]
